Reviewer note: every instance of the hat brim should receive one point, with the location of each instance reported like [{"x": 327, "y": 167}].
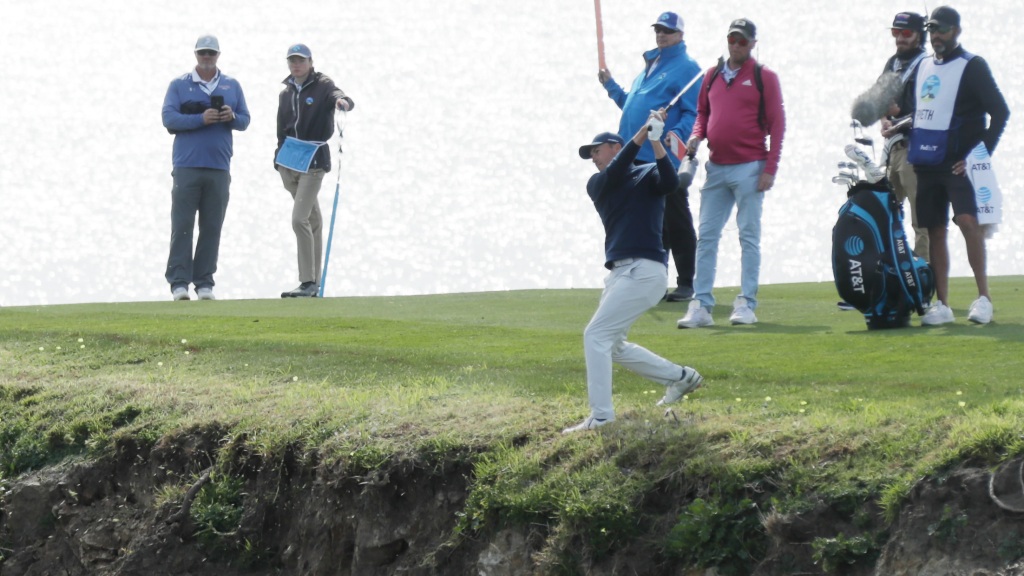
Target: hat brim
[
  {"x": 300, "y": 55},
  {"x": 741, "y": 32},
  {"x": 663, "y": 25},
  {"x": 586, "y": 149},
  {"x": 212, "y": 49}
]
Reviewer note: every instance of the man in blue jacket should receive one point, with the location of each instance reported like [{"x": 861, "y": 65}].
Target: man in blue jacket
[
  {"x": 667, "y": 70},
  {"x": 630, "y": 199},
  {"x": 201, "y": 159}
]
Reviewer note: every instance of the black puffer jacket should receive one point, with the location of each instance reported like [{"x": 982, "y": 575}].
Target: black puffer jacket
[{"x": 308, "y": 114}]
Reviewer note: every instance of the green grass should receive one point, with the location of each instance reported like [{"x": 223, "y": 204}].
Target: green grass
[{"x": 807, "y": 404}]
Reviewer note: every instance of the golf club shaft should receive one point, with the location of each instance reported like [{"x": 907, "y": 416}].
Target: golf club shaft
[{"x": 686, "y": 88}]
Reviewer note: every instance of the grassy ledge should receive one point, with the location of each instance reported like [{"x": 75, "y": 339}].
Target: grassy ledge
[{"x": 805, "y": 407}]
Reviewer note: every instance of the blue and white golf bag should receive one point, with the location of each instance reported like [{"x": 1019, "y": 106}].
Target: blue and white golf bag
[{"x": 874, "y": 269}]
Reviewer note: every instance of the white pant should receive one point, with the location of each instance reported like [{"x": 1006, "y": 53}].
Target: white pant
[{"x": 629, "y": 291}]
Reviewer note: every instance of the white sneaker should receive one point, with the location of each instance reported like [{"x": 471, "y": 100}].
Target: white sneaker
[
  {"x": 981, "y": 311},
  {"x": 872, "y": 173},
  {"x": 690, "y": 381},
  {"x": 180, "y": 293},
  {"x": 589, "y": 424},
  {"x": 937, "y": 314},
  {"x": 741, "y": 313},
  {"x": 205, "y": 293},
  {"x": 696, "y": 316}
]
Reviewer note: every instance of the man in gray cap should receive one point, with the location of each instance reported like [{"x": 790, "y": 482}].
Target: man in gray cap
[
  {"x": 630, "y": 199},
  {"x": 955, "y": 91},
  {"x": 202, "y": 108}
]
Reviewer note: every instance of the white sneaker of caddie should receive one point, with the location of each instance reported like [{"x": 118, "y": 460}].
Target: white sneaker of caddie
[
  {"x": 937, "y": 314},
  {"x": 741, "y": 312},
  {"x": 696, "y": 316},
  {"x": 981, "y": 311}
]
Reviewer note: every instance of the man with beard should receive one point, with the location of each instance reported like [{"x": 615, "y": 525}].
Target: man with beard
[
  {"x": 909, "y": 33},
  {"x": 955, "y": 91}
]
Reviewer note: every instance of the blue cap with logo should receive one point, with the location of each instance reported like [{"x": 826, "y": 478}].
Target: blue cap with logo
[
  {"x": 602, "y": 138},
  {"x": 299, "y": 50},
  {"x": 670, "y": 20}
]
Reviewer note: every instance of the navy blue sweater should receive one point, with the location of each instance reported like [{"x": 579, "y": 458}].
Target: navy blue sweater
[{"x": 631, "y": 202}]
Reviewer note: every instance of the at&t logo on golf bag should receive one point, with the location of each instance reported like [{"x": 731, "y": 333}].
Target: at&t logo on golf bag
[{"x": 874, "y": 270}]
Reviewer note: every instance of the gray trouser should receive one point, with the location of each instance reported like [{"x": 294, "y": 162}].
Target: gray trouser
[
  {"x": 307, "y": 221},
  {"x": 203, "y": 191}
]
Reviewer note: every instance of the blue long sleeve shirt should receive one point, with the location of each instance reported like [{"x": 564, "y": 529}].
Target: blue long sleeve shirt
[
  {"x": 673, "y": 71},
  {"x": 630, "y": 199},
  {"x": 197, "y": 145}
]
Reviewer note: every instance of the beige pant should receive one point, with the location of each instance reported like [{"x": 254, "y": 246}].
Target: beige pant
[
  {"x": 307, "y": 221},
  {"x": 904, "y": 184}
]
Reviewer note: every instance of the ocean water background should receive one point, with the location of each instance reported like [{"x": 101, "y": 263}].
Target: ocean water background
[{"x": 460, "y": 170}]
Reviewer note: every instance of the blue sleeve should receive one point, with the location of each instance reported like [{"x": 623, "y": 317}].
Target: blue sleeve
[
  {"x": 241, "y": 121},
  {"x": 173, "y": 119},
  {"x": 615, "y": 92}
]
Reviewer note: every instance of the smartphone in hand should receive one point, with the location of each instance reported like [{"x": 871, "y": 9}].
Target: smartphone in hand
[{"x": 216, "y": 102}]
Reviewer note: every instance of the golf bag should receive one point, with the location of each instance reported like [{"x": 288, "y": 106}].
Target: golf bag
[{"x": 874, "y": 269}]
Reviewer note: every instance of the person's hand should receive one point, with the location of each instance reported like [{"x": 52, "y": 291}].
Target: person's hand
[
  {"x": 765, "y": 182},
  {"x": 887, "y": 131},
  {"x": 342, "y": 105},
  {"x": 226, "y": 114},
  {"x": 692, "y": 146},
  {"x": 603, "y": 76},
  {"x": 211, "y": 116},
  {"x": 960, "y": 168},
  {"x": 655, "y": 126}
]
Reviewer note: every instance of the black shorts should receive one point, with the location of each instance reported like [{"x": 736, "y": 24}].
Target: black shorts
[{"x": 936, "y": 191}]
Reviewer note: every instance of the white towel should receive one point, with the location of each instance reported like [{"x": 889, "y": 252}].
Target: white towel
[{"x": 986, "y": 189}]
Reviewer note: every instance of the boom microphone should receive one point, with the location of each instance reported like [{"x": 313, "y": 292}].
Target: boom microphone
[{"x": 873, "y": 104}]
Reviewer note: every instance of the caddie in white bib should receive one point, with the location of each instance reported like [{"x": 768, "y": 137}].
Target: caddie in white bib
[{"x": 938, "y": 83}]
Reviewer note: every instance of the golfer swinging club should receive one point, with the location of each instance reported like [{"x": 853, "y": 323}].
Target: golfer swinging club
[{"x": 631, "y": 202}]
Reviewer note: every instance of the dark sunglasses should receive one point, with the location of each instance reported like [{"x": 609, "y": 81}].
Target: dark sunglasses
[
  {"x": 738, "y": 39},
  {"x": 940, "y": 28},
  {"x": 902, "y": 33},
  {"x": 207, "y": 52},
  {"x": 663, "y": 30}
]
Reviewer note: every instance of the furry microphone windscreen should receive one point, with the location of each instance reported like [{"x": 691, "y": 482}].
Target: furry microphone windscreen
[{"x": 873, "y": 104}]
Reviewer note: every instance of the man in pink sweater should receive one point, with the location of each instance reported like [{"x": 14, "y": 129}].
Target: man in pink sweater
[{"x": 740, "y": 113}]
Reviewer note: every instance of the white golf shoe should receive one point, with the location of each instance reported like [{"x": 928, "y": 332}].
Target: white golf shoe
[
  {"x": 981, "y": 311},
  {"x": 741, "y": 312},
  {"x": 937, "y": 314},
  {"x": 205, "y": 293},
  {"x": 696, "y": 316},
  {"x": 690, "y": 381},
  {"x": 589, "y": 424},
  {"x": 180, "y": 293}
]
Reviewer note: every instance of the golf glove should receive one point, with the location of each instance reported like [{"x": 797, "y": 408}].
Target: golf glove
[{"x": 655, "y": 128}]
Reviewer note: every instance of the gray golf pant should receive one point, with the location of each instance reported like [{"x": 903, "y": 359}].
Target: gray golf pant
[
  {"x": 307, "y": 220},
  {"x": 202, "y": 191},
  {"x": 629, "y": 290}
]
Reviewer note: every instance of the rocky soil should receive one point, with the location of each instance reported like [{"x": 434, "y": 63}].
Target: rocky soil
[{"x": 128, "y": 514}]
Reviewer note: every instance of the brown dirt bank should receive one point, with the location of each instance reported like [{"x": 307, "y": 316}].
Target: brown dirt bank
[{"x": 122, "y": 515}]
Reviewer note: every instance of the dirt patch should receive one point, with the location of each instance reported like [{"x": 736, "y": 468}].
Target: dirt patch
[{"x": 121, "y": 515}]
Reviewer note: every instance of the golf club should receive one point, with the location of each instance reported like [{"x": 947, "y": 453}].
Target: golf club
[{"x": 334, "y": 211}]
